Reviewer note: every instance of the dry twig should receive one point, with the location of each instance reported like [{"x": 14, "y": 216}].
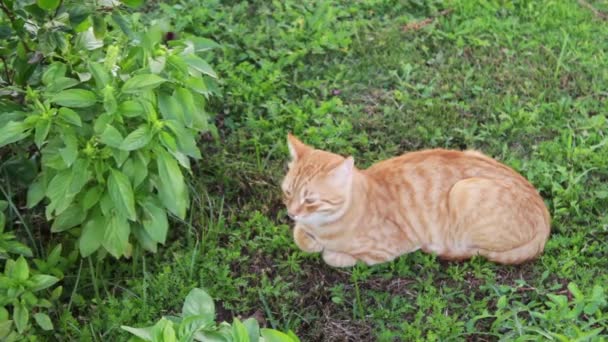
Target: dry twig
[
  {"x": 595, "y": 11},
  {"x": 417, "y": 25}
]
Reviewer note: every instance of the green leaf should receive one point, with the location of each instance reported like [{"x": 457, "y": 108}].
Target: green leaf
[
  {"x": 172, "y": 189},
  {"x": 151, "y": 37},
  {"x": 86, "y": 40},
  {"x": 140, "y": 163},
  {"x": 123, "y": 24},
  {"x": 147, "y": 99},
  {"x": 43, "y": 126},
  {"x": 42, "y": 281},
  {"x": 71, "y": 217},
  {"x": 69, "y": 153},
  {"x": 144, "y": 238},
  {"x": 101, "y": 123},
  {"x": 137, "y": 139},
  {"x": 106, "y": 205},
  {"x": 203, "y": 44},
  {"x": 12, "y": 132},
  {"x": 143, "y": 333},
  {"x": 155, "y": 220},
  {"x": 502, "y": 302},
  {"x": 80, "y": 176},
  {"x": 56, "y": 293},
  {"x": 58, "y": 191},
  {"x": 111, "y": 137},
  {"x": 91, "y": 197},
  {"x": 75, "y": 98},
  {"x": 70, "y": 116},
  {"x": 61, "y": 83},
  {"x": 198, "y": 85},
  {"x": 177, "y": 63},
  {"x": 128, "y": 168},
  {"x": 200, "y": 65},
  {"x": 157, "y": 65},
  {"x": 6, "y": 327},
  {"x": 574, "y": 289},
  {"x": 92, "y": 235},
  {"x": 199, "y": 303},
  {"x": 116, "y": 236},
  {"x": 48, "y": 5},
  {"x": 130, "y": 109},
  {"x": 66, "y": 184},
  {"x": 163, "y": 331},
  {"x": 184, "y": 97},
  {"x": 169, "y": 142},
  {"x": 293, "y": 336},
  {"x": 121, "y": 193},
  {"x": 55, "y": 254},
  {"x": 99, "y": 26},
  {"x": 200, "y": 117},
  {"x": 21, "y": 317},
  {"x": 109, "y": 100},
  {"x": 133, "y": 3},
  {"x": 271, "y": 335},
  {"x": 21, "y": 271},
  {"x": 54, "y": 71},
  {"x": 143, "y": 82},
  {"x": 35, "y": 193},
  {"x": 101, "y": 75},
  {"x": 185, "y": 139},
  {"x": 169, "y": 108},
  {"x": 44, "y": 321},
  {"x": 239, "y": 332},
  {"x": 253, "y": 329},
  {"x": 16, "y": 247}
]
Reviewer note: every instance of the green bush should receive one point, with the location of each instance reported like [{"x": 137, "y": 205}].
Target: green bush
[
  {"x": 110, "y": 114},
  {"x": 197, "y": 323}
]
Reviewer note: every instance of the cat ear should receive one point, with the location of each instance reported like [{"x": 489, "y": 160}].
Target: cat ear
[
  {"x": 296, "y": 148},
  {"x": 344, "y": 171}
]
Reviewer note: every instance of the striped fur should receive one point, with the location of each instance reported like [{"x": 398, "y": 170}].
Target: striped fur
[{"x": 451, "y": 203}]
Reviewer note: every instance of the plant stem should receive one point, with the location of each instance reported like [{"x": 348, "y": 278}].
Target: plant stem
[
  {"x": 94, "y": 279},
  {"x": 11, "y": 17},
  {"x": 6, "y": 72},
  {"x": 27, "y": 227},
  {"x": 58, "y": 7},
  {"x": 75, "y": 286}
]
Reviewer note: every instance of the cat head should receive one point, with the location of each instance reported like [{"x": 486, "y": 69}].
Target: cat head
[{"x": 318, "y": 185}]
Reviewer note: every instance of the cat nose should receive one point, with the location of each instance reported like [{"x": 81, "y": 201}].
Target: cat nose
[{"x": 291, "y": 215}]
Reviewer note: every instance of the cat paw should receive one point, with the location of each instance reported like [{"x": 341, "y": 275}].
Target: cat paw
[
  {"x": 337, "y": 259},
  {"x": 305, "y": 241}
]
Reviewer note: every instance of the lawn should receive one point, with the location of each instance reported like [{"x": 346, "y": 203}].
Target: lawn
[{"x": 523, "y": 81}]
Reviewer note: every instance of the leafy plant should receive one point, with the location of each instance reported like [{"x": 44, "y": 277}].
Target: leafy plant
[
  {"x": 557, "y": 318},
  {"x": 197, "y": 323},
  {"x": 114, "y": 114},
  {"x": 8, "y": 243},
  {"x": 19, "y": 289}
]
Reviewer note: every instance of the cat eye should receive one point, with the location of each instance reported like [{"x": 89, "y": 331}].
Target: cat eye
[{"x": 309, "y": 200}]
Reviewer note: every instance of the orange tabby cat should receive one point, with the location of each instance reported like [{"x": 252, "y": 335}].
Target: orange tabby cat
[{"x": 452, "y": 203}]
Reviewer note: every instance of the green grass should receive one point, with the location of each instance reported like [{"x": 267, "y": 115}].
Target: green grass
[{"x": 523, "y": 81}]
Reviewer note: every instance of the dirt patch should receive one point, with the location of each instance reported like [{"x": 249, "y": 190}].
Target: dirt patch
[
  {"x": 394, "y": 286},
  {"x": 346, "y": 330}
]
